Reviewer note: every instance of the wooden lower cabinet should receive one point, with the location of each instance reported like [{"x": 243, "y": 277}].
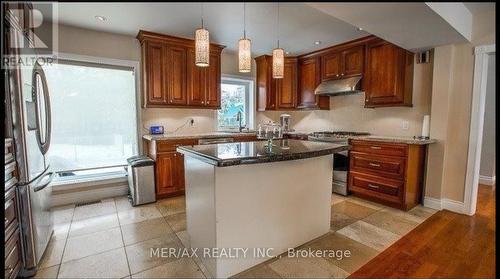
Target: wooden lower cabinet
[
  {"x": 169, "y": 170},
  {"x": 389, "y": 173},
  {"x": 169, "y": 164}
]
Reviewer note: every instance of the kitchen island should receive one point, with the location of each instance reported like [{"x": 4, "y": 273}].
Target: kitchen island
[{"x": 246, "y": 203}]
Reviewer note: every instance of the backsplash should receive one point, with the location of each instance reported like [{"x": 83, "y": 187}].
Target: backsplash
[
  {"x": 204, "y": 120},
  {"x": 349, "y": 114}
]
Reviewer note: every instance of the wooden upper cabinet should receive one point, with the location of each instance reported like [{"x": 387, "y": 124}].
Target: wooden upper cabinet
[
  {"x": 276, "y": 94},
  {"x": 154, "y": 73},
  {"x": 309, "y": 79},
  {"x": 176, "y": 75},
  {"x": 331, "y": 66},
  {"x": 170, "y": 77},
  {"x": 388, "y": 79},
  {"x": 213, "y": 80},
  {"x": 286, "y": 88},
  {"x": 342, "y": 63},
  {"x": 196, "y": 81},
  {"x": 353, "y": 60}
]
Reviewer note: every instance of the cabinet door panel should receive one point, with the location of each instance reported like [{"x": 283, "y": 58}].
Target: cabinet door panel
[
  {"x": 331, "y": 66},
  {"x": 353, "y": 61},
  {"x": 286, "y": 88},
  {"x": 156, "y": 91},
  {"x": 169, "y": 172},
  {"x": 196, "y": 81},
  {"x": 165, "y": 171},
  {"x": 177, "y": 75},
  {"x": 212, "y": 98},
  {"x": 308, "y": 81},
  {"x": 385, "y": 75}
]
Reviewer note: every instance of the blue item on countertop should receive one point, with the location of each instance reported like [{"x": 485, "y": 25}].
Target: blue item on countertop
[{"x": 156, "y": 130}]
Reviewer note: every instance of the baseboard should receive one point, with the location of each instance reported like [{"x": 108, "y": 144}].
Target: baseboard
[
  {"x": 90, "y": 194},
  {"x": 439, "y": 204},
  {"x": 432, "y": 203},
  {"x": 487, "y": 180},
  {"x": 455, "y": 206}
]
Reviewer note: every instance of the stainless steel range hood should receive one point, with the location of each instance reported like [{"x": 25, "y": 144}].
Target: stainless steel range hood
[{"x": 338, "y": 87}]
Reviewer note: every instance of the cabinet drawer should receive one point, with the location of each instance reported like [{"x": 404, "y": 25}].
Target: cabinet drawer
[
  {"x": 12, "y": 256},
  {"x": 375, "y": 186},
  {"x": 388, "y": 166},
  {"x": 171, "y": 145},
  {"x": 373, "y": 147}
]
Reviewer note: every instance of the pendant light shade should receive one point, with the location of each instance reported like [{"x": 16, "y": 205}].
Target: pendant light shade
[
  {"x": 278, "y": 62},
  {"x": 201, "y": 44},
  {"x": 202, "y": 47},
  {"x": 244, "y": 48},
  {"x": 278, "y": 53},
  {"x": 244, "y": 56}
]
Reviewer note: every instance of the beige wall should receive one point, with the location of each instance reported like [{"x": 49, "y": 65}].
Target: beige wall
[
  {"x": 488, "y": 148},
  {"x": 450, "y": 121},
  {"x": 483, "y": 28},
  {"x": 348, "y": 112}
]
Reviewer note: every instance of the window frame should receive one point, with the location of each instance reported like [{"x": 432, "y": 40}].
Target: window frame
[
  {"x": 94, "y": 61},
  {"x": 249, "y": 100}
]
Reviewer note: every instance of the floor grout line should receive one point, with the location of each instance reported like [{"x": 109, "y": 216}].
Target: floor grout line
[
  {"x": 65, "y": 242},
  {"x": 123, "y": 241}
]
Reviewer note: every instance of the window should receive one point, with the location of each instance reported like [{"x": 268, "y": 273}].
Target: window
[
  {"x": 235, "y": 98},
  {"x": 94, "y": 122}
]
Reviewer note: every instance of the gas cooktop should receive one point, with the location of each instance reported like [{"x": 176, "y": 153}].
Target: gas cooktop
[{"x": 335, "y": 135}]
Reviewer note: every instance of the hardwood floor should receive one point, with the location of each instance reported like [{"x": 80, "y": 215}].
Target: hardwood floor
[{"x": 447, "y": 245}]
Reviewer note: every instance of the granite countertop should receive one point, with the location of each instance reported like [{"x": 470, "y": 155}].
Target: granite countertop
[
  {"x": 406, "y": 140},
  {"x": 237, "y": 153},
  {"x": 171, "y": 136}
]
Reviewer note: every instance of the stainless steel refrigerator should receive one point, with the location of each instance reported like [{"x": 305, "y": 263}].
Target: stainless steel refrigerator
[{"x": 31, "y": 120}]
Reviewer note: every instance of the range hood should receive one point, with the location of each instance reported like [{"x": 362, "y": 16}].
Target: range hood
[{"x": 338, "y": 87}]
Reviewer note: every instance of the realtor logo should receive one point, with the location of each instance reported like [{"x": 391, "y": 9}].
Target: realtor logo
[{"x": 32, "y": 32}]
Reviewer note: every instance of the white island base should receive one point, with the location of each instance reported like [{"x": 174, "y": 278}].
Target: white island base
[{"x": 278, "y": 205}]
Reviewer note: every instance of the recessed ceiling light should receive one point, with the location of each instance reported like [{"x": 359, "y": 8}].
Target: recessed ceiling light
[
  {"x": 359, "y": 28},
  {"x": 317, "y": 42},
  {"x": 101, "y": 18}
]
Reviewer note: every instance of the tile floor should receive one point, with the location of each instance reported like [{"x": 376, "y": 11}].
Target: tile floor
[{"x": 112, "y": 239}]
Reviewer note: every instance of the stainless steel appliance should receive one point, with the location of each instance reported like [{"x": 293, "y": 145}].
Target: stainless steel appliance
[
  {"x": 342, "y": 86},
  {"x": 31, "y": 120},
  {"x": 285, "y": 123},
  {"x": 141, "y": 180},
  {"x": 340, "y": 159},
  {"x": 214, "y": 141}
]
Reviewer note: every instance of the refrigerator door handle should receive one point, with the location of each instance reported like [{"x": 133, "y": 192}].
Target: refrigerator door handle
[
  {"x": 45, "y": 183},
  {"x": 44, "y": 91}
]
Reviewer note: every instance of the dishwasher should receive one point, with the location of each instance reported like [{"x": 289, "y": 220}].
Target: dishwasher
[{"x": 215, "y": 141}]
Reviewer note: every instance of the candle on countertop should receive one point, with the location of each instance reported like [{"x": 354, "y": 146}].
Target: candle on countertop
[{"x": 426, "y": 126}]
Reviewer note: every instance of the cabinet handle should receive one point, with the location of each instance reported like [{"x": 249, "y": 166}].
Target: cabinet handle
[
  {"x": 375, "y": 147},
  {"x": 342, "y": 74},
  {"x": 6, "y": 221},
  {"x": 171, "y": 100},
  {"x": 175, "y": 155},
  {"x": 374, "y": 165},
  {"x": 337, "y": 75},
  {"x": 208, "y": 103},
  {"x": 373, "y": 186},
  {"x": 202, "y": 102}
]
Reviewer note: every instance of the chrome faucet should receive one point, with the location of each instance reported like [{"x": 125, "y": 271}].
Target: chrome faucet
[{"x": 239, "y": 119}]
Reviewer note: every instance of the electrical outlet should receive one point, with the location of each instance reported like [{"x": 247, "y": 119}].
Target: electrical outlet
[{"x": 405, "y": 125}]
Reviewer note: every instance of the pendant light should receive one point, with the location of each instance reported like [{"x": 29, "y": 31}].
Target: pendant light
[
  {"x": 202, "y": 44},
  {"x": 244, "y": 48},
  {"x": 278, "y": 53}
]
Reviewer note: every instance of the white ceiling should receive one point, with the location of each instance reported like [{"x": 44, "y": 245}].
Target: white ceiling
[
  {"x": 300, "y": 25},
  {"x": 414, "y": 26}
]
